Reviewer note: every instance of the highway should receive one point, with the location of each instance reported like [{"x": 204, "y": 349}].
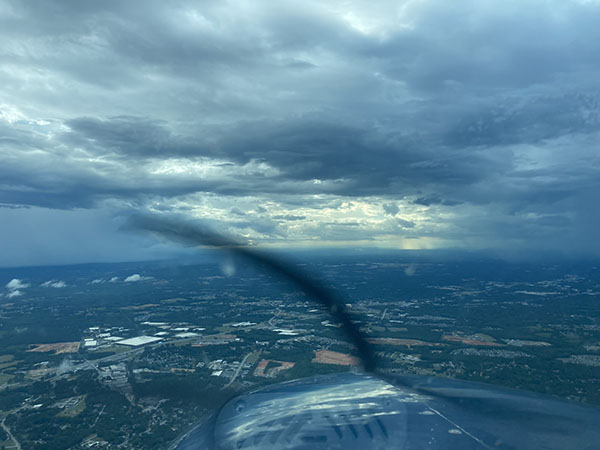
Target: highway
[{"x": 237, "y": 371}]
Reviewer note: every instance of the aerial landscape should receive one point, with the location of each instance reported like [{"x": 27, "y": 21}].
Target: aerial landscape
[
  {"x": 342, "y": 224},
  {"x": 131, "y": 355}
]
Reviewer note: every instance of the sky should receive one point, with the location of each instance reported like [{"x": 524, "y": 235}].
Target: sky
[{"x": 416, "y": 124}]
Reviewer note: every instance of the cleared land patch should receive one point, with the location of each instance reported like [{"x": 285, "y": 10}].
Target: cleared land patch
[
  {"x": 270, "y": 368},
  {"x": 57, "y": 348},
  {"x": 471, "y": 340},
  {"x": 331, "y": 357}
]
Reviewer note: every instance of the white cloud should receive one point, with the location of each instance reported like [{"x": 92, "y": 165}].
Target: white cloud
[
  {"x": 113, "y": 280},
  {"x": 15, "y": 293},
  {"x": 55, "y": 284},
  {"x": 98, "y": 281},
  {"x": 135, "y": 277},
  {"x": 16, "y": 284}
]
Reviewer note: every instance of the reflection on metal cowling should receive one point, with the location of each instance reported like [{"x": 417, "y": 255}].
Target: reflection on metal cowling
[
  {"x": 353, "y": 411},
  {"x": 334, "y": 412}
]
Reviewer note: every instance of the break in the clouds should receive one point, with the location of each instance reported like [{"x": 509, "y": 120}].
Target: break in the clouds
[{"x": 406, "y": 124}]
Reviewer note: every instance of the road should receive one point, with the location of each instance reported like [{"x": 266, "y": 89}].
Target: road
[
  {"x": 270, "y": 322},
  {"x": 237, "y": 371},
  {"x": 16, "y": 445},
  {"x": 93, "y": 364},
  {"x": 87, "y": 364}
]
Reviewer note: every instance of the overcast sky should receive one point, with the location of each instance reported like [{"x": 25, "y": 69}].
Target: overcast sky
[{"x": 405, "y": 124}]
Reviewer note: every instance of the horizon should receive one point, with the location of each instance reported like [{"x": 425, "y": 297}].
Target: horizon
[{"x": 211, "y": 255}]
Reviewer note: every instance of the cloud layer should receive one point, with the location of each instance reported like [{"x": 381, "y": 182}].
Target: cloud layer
[{"x": 413, "y": 124}]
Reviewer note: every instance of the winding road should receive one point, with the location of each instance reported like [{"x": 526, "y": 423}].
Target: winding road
[{"x": 16, "y": 445}]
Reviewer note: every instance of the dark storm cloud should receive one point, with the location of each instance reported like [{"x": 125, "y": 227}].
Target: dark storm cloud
[
  {"x": 541, "y": 118},
  {"x": 301, "y": 150},
  {"x": 471, "y": 107},
  {"x": 492, "y": 46},
  {"x": 369, "y": 161},
  {"x": 58, "y": 180},
  {"x": 130, "y": 136}
]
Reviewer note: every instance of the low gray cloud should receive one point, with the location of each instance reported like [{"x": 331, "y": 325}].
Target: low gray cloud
[
  {"x": 462, "y": 124},
  {"x": 405, "y": 223},
  {"x": 237, "y": 212},
  {"x": 291, "y": 217},
  {"x": 391, "y": 208},
  {"x": 434, "y": 200}
]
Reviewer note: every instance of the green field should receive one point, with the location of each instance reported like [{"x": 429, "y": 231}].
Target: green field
[
  {"x": 75, "y": 411},
  {"x": 5, "y": 378},
  {"x": 6, "y": 358},
  {"x": 8, "y": 364}
]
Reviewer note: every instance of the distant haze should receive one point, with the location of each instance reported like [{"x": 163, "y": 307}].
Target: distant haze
[{"x": 409, "y": 124}]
